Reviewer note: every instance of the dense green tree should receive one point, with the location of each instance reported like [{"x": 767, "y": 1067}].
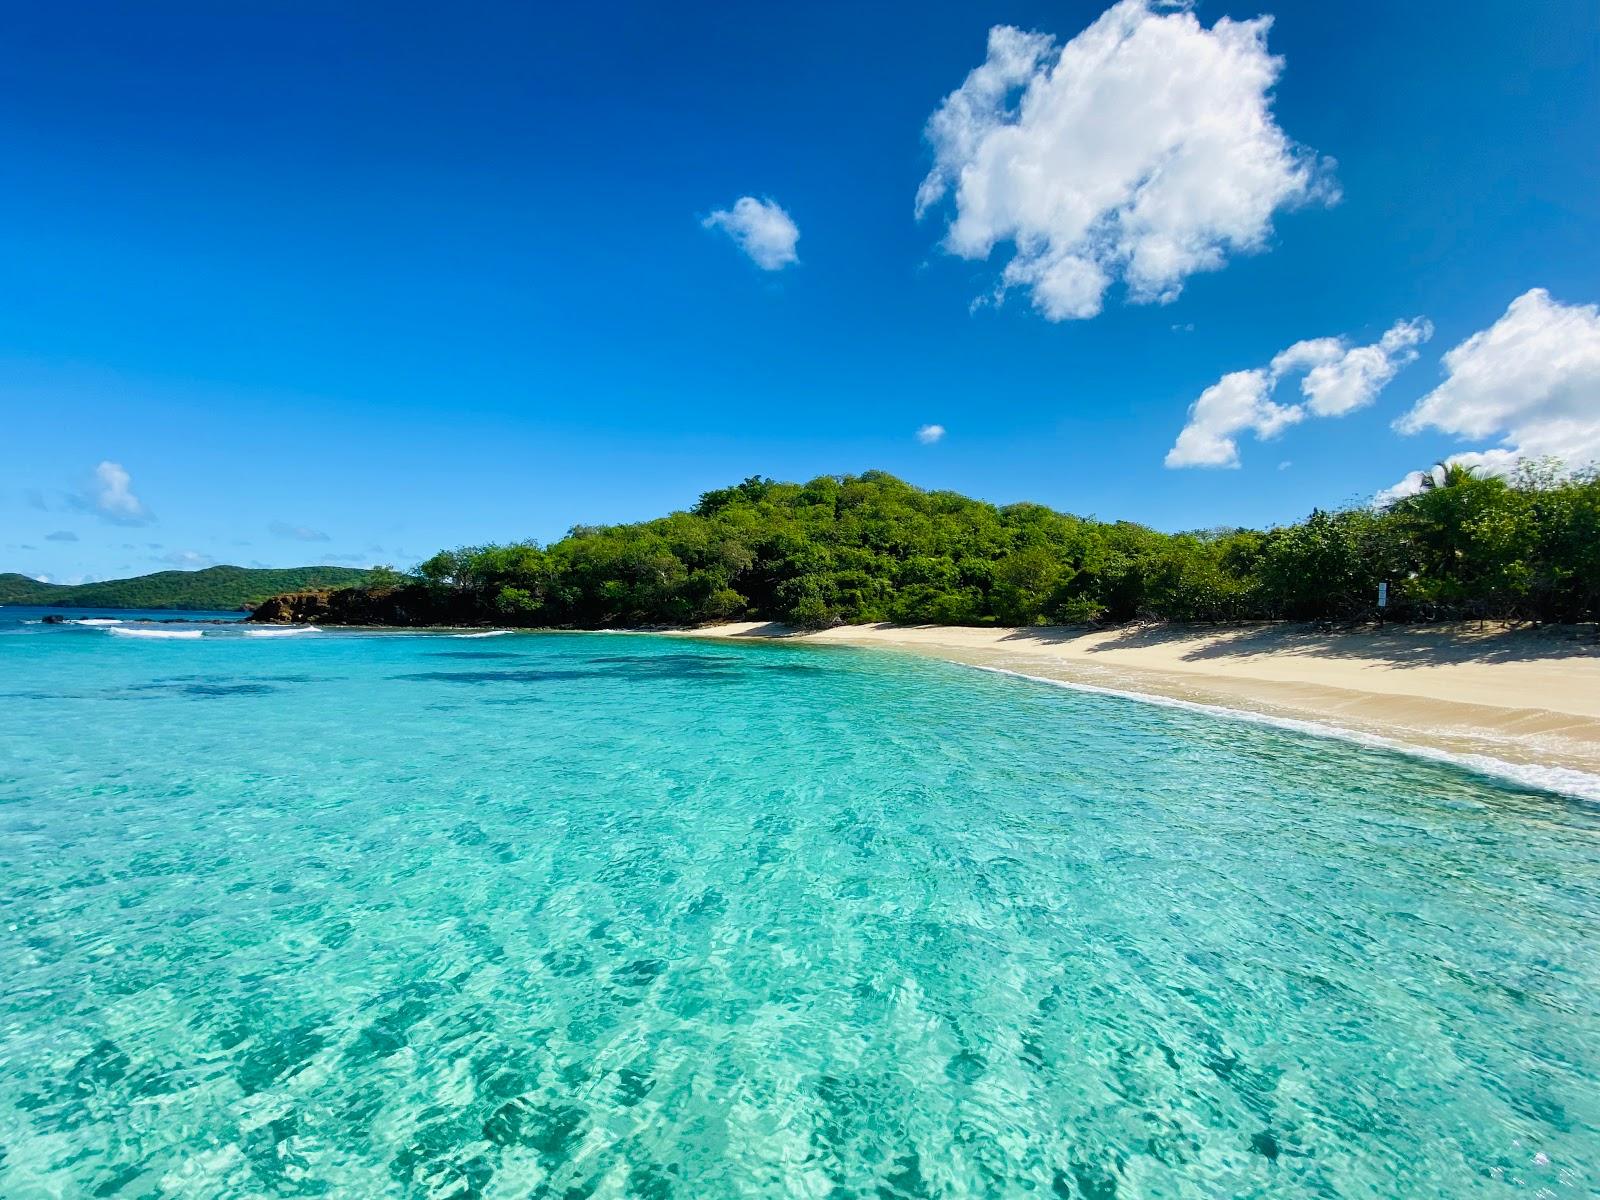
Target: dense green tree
[
  {"x": 873, "y": 548},
  {"x": 1474, "y": 540},
  {"x": 1327, "y": 567}
]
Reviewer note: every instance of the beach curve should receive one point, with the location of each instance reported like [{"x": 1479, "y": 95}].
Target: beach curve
[{"x": 1520, "y": 703}]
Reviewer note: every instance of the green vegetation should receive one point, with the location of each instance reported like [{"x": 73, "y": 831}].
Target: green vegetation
[
  {"x": 215, "y": 588},
  {"x": 872, "y": 548}
]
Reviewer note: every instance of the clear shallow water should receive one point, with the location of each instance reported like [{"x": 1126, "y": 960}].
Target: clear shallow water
[{"x": 590, "y": 915}]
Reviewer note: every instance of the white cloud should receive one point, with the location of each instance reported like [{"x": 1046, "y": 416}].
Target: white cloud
[
  {"x": 1409, "y": 486},
  {"x": 929, "y": 434},
  {"x": 1482, "y": 462},
  {"x": 61, "y": 535},
  {"x": 1337, "y": 379},
  {"x": 1237, "y": 402},
  {"x": 188, "y": 560},
  {"x": 299, "y": 533},
  {"x": 1531, "y": 381},
  {"x": 1343, "y": 378},
  {"x": 111, "y": 496},
  {"x": 1143, "y": 150},
  {"x": 761, "y": 229}
]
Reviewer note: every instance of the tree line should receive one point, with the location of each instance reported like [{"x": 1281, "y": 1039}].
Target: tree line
[
  {"x": 215, "y": 588},
  {"x": 870, "y": 547}
]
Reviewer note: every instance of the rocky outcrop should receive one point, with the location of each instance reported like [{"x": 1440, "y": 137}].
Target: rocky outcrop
[
  {"x": 292, "y": 608},
  {"x": 412, "y": 604}
]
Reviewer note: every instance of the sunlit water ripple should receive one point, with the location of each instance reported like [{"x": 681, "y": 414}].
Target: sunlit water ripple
[{"x": 590, "y": 915}]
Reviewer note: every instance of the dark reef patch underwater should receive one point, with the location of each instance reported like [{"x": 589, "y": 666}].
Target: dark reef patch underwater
[{"x": 322, "y": 915}]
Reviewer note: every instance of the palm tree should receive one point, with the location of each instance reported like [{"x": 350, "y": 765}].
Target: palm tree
[{"x": 1446, "y": 475}]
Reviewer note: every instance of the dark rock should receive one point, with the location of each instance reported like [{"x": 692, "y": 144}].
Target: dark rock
[
  {"x": 54, "y": 619},
  {"x": 407, "y": 605},
  {"x": 1265, "y": 1145}
]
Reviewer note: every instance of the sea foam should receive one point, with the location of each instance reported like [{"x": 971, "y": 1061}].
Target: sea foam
[
  {"x": 484, "y": 634},
  {"x": 155, "y": 633},
  {"x": 280, "y": 632}
]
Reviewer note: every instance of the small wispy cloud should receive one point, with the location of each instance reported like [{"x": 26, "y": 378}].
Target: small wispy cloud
[
  {"x": 299, "y": 533},
  {"x": 929, "y": 434},
  {"x": 61, "y": 535},
  {"x": 761, "y": 229},
  {"x": 188, "y": 560},
  {"x": 110, "y": 496}
]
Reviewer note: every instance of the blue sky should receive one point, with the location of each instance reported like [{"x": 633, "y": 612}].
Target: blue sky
[{"x": 353, "y": 283}]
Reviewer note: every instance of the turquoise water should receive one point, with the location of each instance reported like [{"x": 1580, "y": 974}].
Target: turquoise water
[{"x": 598, "y": 915}]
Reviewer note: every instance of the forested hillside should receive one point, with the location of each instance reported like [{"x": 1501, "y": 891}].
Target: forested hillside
[
  {"x": 873, "y": 548},
  {"x": 215, "y": 588}
]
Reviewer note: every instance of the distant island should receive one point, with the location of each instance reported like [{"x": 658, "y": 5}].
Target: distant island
[
  {"x": 872, "y": 548},
  {"x": 217, "y": 589}
]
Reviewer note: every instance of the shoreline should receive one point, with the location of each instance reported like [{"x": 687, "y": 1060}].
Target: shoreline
[{"x": 1522, "y": 704}]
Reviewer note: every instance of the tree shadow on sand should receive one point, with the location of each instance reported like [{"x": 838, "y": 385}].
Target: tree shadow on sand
[{"x": 1398, "y": 646}]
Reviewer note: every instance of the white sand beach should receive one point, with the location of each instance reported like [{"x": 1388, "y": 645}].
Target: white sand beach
[{"x": 1521, "y": 696}]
